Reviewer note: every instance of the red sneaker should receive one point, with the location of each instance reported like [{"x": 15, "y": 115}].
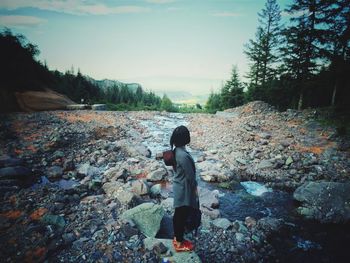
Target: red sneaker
[{"x": 183, "y": 246}]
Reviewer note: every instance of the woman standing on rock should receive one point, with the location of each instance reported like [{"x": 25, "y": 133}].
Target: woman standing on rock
[{"x": 184, "y": 187}]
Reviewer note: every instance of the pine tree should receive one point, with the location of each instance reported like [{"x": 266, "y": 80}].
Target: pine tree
[
  {"x": 262, "y": 52},
  {"x": 300, "y": 52},
  {"x": 334, "y": 39},
  {"x": 232, "y": 91}
]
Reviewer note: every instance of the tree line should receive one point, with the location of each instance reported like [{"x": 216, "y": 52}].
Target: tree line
[
  {"x": 21, "y": 71},
  {"x": 299, "y": 65}
]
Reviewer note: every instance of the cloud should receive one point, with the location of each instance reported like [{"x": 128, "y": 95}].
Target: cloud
[
  {"x": 226, "y": 14},
  {"x": 160, "y": 1},
  {"x": 75, "y": 7},
  {"x": 20, "y": 21}
]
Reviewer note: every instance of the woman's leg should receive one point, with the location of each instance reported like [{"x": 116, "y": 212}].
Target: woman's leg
[{"x": 179, "y": 221}]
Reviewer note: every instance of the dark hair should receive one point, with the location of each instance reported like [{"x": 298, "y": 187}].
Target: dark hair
[{"x": 180, "y": 137}]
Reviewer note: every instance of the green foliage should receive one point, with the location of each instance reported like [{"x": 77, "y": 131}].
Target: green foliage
[
  {"x": 167, "y": 105},
  {"x": 315, "y": 56},
  {"x": 214, "y": 103},
  {"x": 191, "y": 109}
]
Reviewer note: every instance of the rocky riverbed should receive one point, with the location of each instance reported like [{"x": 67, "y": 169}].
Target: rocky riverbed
[{"x": 80, "y": 185}]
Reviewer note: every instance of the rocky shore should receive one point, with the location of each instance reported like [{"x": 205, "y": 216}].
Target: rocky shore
[{"x": 81, "y": 186}]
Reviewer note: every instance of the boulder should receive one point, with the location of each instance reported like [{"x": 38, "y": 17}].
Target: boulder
[
  {"x": 327, "y": 202},
  {"x": 118, "y": 191},
  {"x": 289, "y": 160},
  {"x": 223, "y": 223},
  {"x": 42, "y": 100},
  {"x": 211, "y": 212},
  {"x": 264, "y": 164},
  {"x": 265, "y": 135},
  {"x": 208, "y": 198},
  {"x": 156, "y": 189},
  {"x": 156, "y": 175},
  {"x": 54, "y": 172},
  {"x": 147, "y": 218},
  {"x": 139, "y": 187},
  {"x": 133, "y": 149},
  {"x": 87, "y": 170},
  {"x": 269, "y": 224}
]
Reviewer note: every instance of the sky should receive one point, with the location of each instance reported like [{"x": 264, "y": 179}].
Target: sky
[{"x": 165, "y": 45}]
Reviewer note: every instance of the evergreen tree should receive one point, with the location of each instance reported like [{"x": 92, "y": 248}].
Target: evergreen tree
[
  {"x": 262, "y": 52},
  {"x": 214, "y": 103},
  {"x": 334, "y": 39},
  {"x": 232, "y": 92},
  {"x": 300, "y": 51},
  {"x": 167, "y": 104}
]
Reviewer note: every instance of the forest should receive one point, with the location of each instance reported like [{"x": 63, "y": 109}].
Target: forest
[{"x": 300, "y": 64}]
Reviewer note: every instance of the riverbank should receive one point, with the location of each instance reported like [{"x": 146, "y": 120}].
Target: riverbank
[{"x": 69, "y": 176}]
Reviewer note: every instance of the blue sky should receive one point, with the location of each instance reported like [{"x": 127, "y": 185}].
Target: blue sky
[{"x": 165, "y": 45}]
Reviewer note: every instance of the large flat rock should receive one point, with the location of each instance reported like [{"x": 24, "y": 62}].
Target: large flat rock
[
  {"x": 147, "y": 218},
  {"x": 327, "y": 202},
  {"x": 42, "y": 100}
]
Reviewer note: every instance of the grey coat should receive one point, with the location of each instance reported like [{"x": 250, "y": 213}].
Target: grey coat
[{"x": 184, "y": 183}]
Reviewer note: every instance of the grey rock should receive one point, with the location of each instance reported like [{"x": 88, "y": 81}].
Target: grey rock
[
  {"x": 87, "y": 170},
  {"x": 289, "y": 160},
  {"x": 269, "y": 224},
  {"x": 242, "y": 161},
  {"x": 160, "y": 248},
  {"x": 265, "y": 135},
  {"x": 223, "y": 223},
  {"x": 129, "y": 230},
  {"x": 68, "y": 165},
  {"x": 239, "y": 237},
  {"x": 156, "y": 189},
  {"x": 118, "y": 191},
  {"x": 327, "y": 202},
  {"x": 208, "y": 198},
  {"x": 54, "y": 172},
  {"x": 239, "y": 226},
  {"x": 156, "y": 175},
  {"x": 147, "y": 218},
  {"x": 264, "y": 164},
  {"x": 133, "y": 149},
  {"x": 285, "y": 143},
  {"x": 139, "y": 187},
  {"x": 54, "y": 220}
]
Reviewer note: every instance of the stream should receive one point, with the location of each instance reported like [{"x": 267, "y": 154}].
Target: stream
[{"x": 299, "y": 240}]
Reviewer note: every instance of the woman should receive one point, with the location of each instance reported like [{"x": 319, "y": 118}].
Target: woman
[{"x": 184, "y": 187}]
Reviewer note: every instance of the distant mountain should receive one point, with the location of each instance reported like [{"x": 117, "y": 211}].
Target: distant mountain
[
  {"x": 106, "y": 83},
  {"x": 184, "y": 97}
]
